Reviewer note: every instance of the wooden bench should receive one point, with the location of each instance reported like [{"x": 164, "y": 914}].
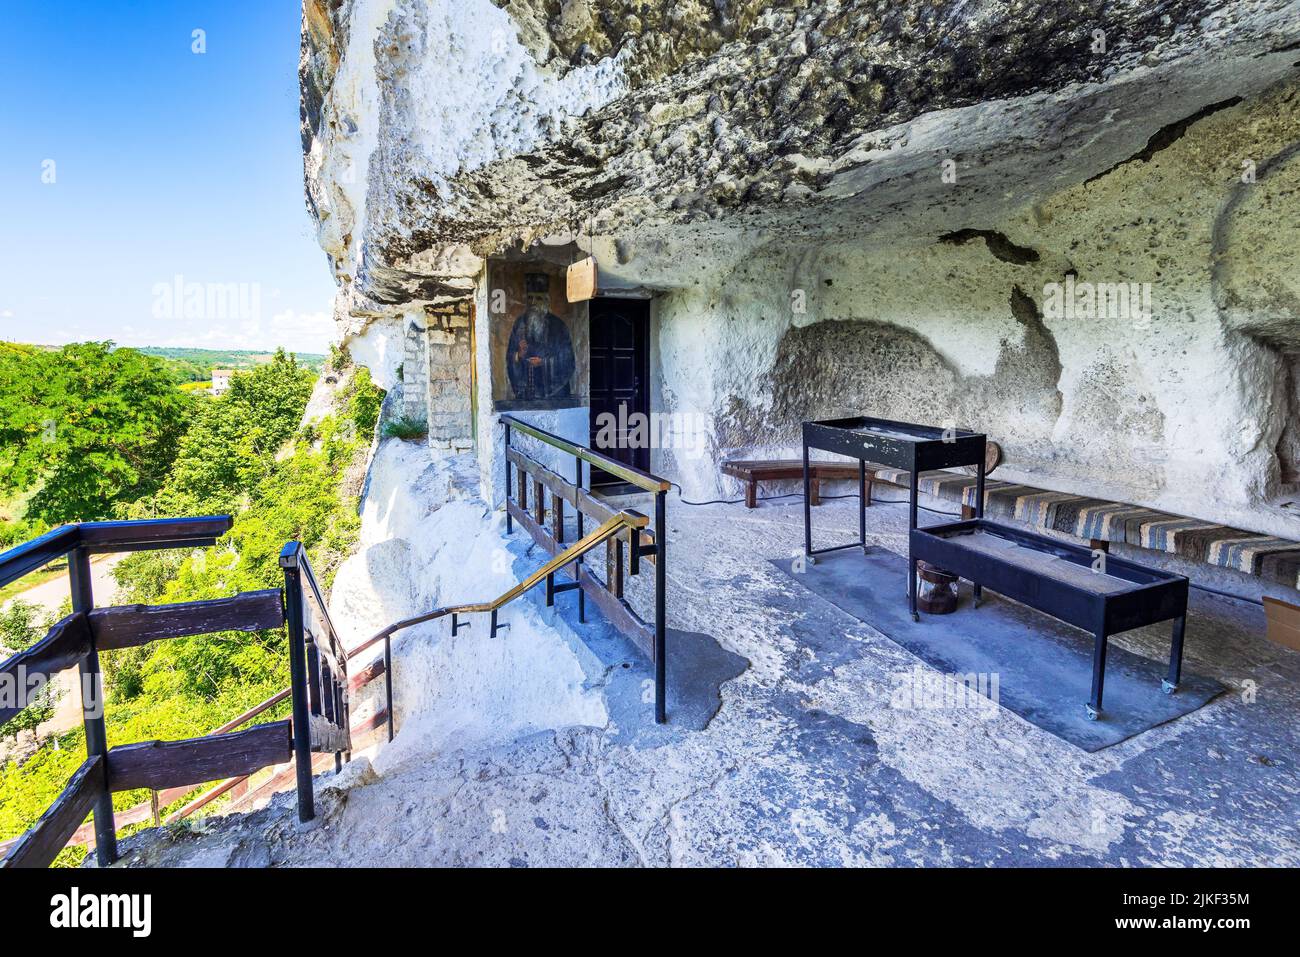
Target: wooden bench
[{"x": 752, "y": 472}]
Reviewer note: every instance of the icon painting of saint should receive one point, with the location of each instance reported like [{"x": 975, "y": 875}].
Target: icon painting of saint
[{"x": 539, "y": 356}]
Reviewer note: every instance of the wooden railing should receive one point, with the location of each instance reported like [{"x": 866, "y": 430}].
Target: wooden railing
[
  {"x": 319, "y": 685},
  {"x": 239, "y": 787},
  {"x": 75, "y": 642},
  {"x": 639, "y": 542}
]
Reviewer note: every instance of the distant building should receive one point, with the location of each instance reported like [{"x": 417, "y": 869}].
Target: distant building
[{"x": 221, "y": 380}]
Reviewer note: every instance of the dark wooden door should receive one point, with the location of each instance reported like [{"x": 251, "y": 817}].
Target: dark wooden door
[{"x": 620, "y": 379}]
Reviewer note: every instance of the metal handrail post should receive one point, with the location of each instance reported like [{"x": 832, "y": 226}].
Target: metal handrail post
[
  {"x": 510, "y": 522},
  {"x": 577, "y": 573},
  {"x": 388, "y": 680},
  {"x": 661, "y": 565}
]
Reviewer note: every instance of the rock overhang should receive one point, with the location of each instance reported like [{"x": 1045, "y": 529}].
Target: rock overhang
[
  {"x": 705, "y": 159},
  {"x": 738, "y": 122}
]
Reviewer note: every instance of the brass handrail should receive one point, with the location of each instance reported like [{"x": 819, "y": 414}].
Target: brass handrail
[
  {"x": 606, "y": 531},
  {"x": 620, "y": 470},
  {"x": 659, "y": 487}
]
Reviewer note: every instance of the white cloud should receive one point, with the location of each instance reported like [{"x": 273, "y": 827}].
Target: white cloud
[
  {"x": 296, "y": 331},
  {"x": 315, "y": 326}
]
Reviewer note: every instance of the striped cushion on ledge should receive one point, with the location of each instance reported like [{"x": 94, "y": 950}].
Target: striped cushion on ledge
[{"x": 1264, "y": 556}]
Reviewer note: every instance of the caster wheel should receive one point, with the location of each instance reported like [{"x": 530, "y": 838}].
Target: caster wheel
[
  {"x": 915, "y": 617},
  {"x": 1168, "y": 687},
  {"x": 1093, "y": 713},
  {"x": 810, "y": 560}
]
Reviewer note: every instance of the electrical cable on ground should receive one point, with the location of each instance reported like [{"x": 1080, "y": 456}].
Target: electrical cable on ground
[
  {"x": 902, "y": 501},
  {"x": 771, "y": 498}
]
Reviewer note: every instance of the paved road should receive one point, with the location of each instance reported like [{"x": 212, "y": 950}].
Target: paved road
[{"x": 49, "y": 596}]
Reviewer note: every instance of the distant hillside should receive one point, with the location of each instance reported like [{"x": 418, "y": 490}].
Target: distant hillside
[
  {"x": 196, "y": 365},
  {"x": 19, "y": 347}
]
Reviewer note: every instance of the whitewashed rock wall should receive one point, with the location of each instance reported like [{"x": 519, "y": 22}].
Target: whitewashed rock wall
[
  {"x": 1180, "y": 409},
  {"x": 427, "y": 542}
]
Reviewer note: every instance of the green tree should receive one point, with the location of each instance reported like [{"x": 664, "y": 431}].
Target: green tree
[
  {"x": 279, "y": 491},
  {"x": 21, "y": 626},
  {"x": 299, "y": 499},
  {"x": 91, "y": 427},
  {"x": 364, "y": 401},
  {"x": 286, "y": 483},
  {"x": 231, "y": 446}
]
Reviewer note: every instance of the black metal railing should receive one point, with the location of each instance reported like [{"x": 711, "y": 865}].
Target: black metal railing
[
  {"x": 607, "y": 593},
  {"x": 318, "y": 672}
]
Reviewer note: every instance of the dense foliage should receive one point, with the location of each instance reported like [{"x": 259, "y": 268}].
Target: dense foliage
[
  {"x": 231, "y": 444},
  {"x": 22, "y": 624},
  {"x": 18, "y": 625},
  {"x": 243, "y": 453},
  {"x": 89, "y": 427}
]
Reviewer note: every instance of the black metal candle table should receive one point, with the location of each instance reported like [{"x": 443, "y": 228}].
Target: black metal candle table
[
  {"x": 903, "y": 445},
  {"x": 1091, "y": 590}
]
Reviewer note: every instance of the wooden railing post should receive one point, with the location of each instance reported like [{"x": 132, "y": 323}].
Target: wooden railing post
[
  {"x": 92, "y": 703},
  {"x": 293, "y": 614},
  {"x": 582, "y": 594}
]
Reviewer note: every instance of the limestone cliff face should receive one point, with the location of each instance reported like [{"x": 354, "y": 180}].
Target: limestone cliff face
[{"x": 849, "y": 205}]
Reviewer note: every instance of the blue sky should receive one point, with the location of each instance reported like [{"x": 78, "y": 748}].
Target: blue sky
[{"x": 166, "y": 163}]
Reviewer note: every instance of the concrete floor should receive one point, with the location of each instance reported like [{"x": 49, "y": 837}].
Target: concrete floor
[{"x": 808, "y": 763}]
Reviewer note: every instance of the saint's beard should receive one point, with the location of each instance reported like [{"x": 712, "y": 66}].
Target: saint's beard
[{"x": 537, "y": 327}]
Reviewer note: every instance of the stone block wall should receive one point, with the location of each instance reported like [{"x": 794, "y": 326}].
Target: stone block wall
[
  {"x": 415, "y": 368},
  {"x": 449, "y": 375}
]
